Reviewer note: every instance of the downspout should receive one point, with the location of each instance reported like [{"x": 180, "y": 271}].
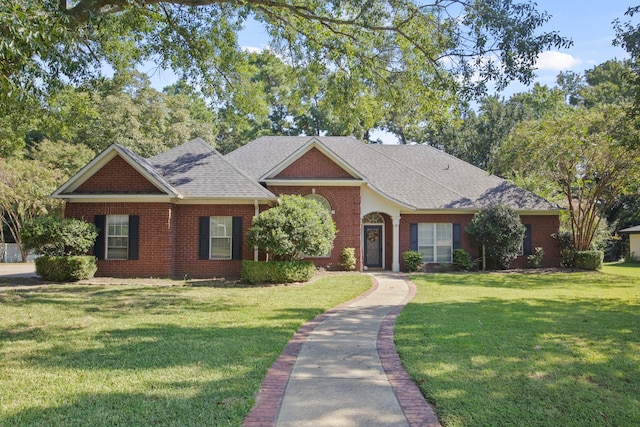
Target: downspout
[{"x": 256, "y": 213}]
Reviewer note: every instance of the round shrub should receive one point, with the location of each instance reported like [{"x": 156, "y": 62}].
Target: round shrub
[
  {"x": 500, "y": 230},
  {"x": 412, "y": 260}
]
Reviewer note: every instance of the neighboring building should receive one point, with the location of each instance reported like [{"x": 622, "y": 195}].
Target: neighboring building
[
  {"x": 634, "y": 241},
  {"x": 187, "y": 211}
]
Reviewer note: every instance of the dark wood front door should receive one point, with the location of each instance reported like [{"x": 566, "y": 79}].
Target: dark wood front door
[{"x": 373, "y": 246}]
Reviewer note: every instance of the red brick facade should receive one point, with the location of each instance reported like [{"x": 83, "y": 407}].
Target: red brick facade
[
  {"x": 314, "y": 164},
  {"x": 117, "y": 176},
  {"x": 169, "y": 232},
  {"x": 345, "y": 203},
  {"x": 542, "y": 228},
  {"x": 157, "y": 237}
]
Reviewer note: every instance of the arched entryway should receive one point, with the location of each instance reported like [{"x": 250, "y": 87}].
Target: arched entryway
[{"x": 374, "y": 241}]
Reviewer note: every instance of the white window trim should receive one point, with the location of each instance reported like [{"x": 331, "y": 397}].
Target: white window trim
[
  {"x": 108, "y": 235},
  {"x": 435, "y": 243},
  {"x": 228, "y": 235}
]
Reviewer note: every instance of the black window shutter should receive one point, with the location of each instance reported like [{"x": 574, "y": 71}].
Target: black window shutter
[
  {"x": 526, "y": 244},
  {"x": 134, "y": 236},
  {"x": 203, "y": 237},
  {"x": 99, "y": 246},
  {"x": 457, "y": 237},
  {"x": 413, "y": 237},
  {"x": 236, "y": 238}
]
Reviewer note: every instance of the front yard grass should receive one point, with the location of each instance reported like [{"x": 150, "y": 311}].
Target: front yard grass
[
  {"x": 622, "y": 269},
  {"x": 99, "y": 355},
  {"x": 525, "y": 349}
]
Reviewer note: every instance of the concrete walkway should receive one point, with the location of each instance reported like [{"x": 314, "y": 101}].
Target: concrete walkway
[{"x": 342, "y": 369}]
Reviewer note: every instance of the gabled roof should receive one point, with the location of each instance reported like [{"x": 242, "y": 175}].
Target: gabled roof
[
  {"x": 418, "y": 177},
  {"x": 192, "y": 170},
  {"x": 196, "y": 170},
  {"x": 135, "y": 161},
  {"x": 305, "y": 148}
]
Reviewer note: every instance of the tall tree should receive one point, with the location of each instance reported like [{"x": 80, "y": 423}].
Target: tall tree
[
  {"x": 586, "y": 154},
  {"x": 440, "y": 46},
  {"x": 24, "y": 187}
]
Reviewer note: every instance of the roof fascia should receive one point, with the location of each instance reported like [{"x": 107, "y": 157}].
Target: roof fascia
[
  {"x": 226, "y": 201},
  {"x": 98, "y": 163},
  {"x": 312, "y": 143},
  {"x": 315, "y": 182},
  {"x": 473, "y": 211}
]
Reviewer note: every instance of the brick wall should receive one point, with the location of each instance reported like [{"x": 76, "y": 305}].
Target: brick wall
[
  {"x": 314, "y": 164},
  {"x": 157, "y": 237},
  {"x": 345, "y": 202},
  {"x": 117, "y": 176},
  {"x": 542, "y": 227},
  {"x": 187, "y": 262}
]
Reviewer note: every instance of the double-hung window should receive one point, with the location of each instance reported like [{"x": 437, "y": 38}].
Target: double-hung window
[
  {"x": 435, "y": 242},
  {"x": 220, "y": 230},
  {"x": 117, "y": 236},
  {"x": 219, "y": 237}
]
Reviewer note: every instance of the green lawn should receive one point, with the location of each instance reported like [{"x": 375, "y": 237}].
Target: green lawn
[
  {"x": 525, "y": 349},
  {"x": 622, "y": 269},
  {"x": 106, "y": 355}
]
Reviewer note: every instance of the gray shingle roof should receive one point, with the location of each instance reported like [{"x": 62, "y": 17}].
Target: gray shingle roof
[
  {"x": 195, "y": 169},
  {"x": 417, "y": 176},
  {"x": 631, "y": 230}
]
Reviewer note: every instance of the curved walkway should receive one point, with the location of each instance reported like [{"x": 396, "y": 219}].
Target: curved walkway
[{"x": 342, "y": 369}]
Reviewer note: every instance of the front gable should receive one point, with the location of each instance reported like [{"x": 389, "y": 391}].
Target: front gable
[
  {"x": 117, "y": 177},
  {"x": 116, "y": 173},
  {"x": 314, "y": 164}
]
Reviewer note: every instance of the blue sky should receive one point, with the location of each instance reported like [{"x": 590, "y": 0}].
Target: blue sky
[{"x": 587, "y": 22}]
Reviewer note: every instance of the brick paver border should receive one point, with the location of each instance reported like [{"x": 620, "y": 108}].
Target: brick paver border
[
  {"x": 416, "y": 409},
  {"x": 269, "y": 399}
]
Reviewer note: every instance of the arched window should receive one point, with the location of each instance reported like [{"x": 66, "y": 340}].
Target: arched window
[
  {"x": 320, "y": 199},
  {"x": 373, "y": 218}
]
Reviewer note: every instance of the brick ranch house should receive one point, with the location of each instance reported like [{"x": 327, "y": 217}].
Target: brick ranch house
[{"x": 186, "y": 212}]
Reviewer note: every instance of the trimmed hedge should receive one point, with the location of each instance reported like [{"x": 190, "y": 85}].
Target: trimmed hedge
[
  {"x": 589, "y": 260},
  {"x": 277, "y": 271},
  {"x": 66, "y": 268}
]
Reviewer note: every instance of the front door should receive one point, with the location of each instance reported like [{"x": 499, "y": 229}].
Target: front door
[{"x": 373, "y": 246}]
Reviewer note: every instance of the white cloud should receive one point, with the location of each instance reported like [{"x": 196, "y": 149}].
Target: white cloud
[
  {"x": 556, "y": 61},
  {"x": 252, "y": 49}
]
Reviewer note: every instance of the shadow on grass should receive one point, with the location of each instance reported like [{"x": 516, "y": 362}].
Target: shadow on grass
[
  {"x": 214, "y": 403},
  {"x": 179, "y": 375},
  {"x": 538, "y": 362}
]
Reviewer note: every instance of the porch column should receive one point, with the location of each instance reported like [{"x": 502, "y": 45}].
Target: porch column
[{"x": 395, "y": 265}]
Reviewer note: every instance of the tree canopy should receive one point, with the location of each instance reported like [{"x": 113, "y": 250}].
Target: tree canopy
[{"x": 439, "y": 45}]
